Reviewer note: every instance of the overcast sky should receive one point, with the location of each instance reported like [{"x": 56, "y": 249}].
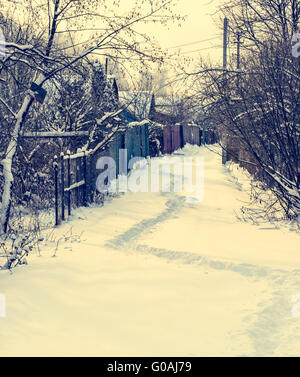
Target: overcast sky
[{"x": 198, "y": 32}]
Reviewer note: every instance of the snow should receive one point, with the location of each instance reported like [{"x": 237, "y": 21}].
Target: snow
[
  {"x": 137, "y": 124},
  {"x": 75, "y": 185},
  {"x": 54, "y": 133},
  {"x": 150, "y": 274}
]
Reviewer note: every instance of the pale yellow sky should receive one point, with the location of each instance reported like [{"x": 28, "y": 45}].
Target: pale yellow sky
[
  {"x": 197, "y": 36},
  {"x": 198, "y": 32}
]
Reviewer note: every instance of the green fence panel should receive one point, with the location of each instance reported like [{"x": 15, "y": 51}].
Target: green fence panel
[
  {"x": 146, "y": 136},
  {"x": 145, "y": 140},
  {"x": 137, "y": 141},
  {"x": 129, "y": 144}
]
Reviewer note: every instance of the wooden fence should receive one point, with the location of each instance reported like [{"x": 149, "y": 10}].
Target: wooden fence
[
  {"x": 234, "y": 150},
  {"x": 176, "y": 136},
  {"x": 75, "y": 174},
  {"x": 72, "y": 187}
]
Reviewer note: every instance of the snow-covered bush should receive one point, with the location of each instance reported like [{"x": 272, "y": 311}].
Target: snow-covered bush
[
  {"x": 14, "y": 249},
  {"x": 256, "y": 107}
]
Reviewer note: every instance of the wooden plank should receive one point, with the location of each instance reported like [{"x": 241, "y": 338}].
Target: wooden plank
[
  {"x": 46, "y": 134},
  {"x": 75, "y": 185}
]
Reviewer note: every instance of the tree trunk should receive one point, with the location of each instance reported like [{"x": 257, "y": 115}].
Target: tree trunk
[{"x": 9, "y": 156}]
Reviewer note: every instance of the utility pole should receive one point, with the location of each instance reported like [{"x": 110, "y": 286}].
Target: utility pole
[
  {"x": 238, "y": 57},
  {"x": 225, "y": 37},
  {"x": 106, "y": 66},
  {"x": 225, "y": 40},
  {"x": 225, "y": 43},
  {"x": 238, "y": 52}
]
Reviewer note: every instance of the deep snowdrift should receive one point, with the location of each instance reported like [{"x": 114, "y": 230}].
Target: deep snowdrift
[{"x": 155, "y": 274}]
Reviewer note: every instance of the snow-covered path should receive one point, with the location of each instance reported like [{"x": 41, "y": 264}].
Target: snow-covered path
[{"x": 154, "y": 275}]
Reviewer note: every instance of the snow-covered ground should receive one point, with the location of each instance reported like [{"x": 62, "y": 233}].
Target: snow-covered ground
[{"x": 157, "y": 275}]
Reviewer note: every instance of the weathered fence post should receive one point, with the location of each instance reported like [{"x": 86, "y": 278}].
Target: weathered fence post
[
  {"x": 203, "y": 141},
  {"x": 181, "y": 136},
  {"x": 69, "y": 182},
  {"x": 55, "y": 165},
  {"x": 77, "y": 177},
  {"x": 85, "y": 188},
  {"x": 62, "y": 186},
  {"x": 91, "y": 179}
]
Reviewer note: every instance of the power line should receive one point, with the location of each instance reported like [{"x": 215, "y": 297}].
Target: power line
[
  {"x": 201, "y": 49},
  {"x": 193, "y": 43}
]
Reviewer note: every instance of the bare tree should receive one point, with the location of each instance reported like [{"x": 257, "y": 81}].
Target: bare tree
[
  {"x": 256, "y": 105},
  {"x": 110, "y": 30}
]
